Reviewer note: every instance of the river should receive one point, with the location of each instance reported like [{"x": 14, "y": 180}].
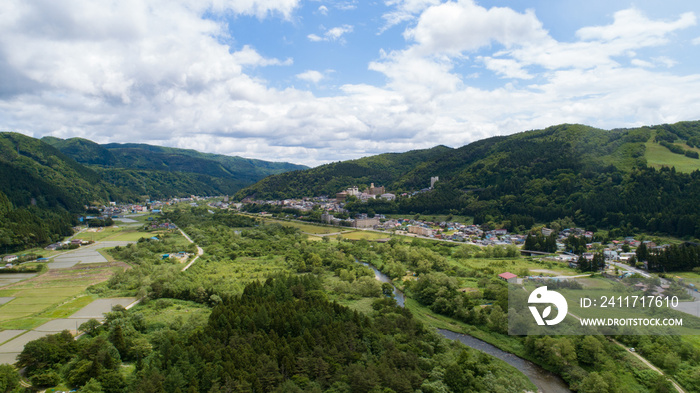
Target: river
[{"x": 545, "y": 381}]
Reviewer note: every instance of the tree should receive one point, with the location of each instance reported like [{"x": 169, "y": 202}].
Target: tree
[
  {"x": 90, "y": 327},
  {"x": 9, "y": 378},
  {"x": 92, "y": 386},
  {"x": 593, "y": 383}
]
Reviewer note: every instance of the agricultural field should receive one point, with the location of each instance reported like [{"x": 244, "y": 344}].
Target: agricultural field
[
  {"x": 366, "y": 235},
  {"x": 54, "y": 294}
]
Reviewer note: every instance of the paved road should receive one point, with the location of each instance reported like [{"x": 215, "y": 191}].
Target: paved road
[{"x": 632, "y": 269}]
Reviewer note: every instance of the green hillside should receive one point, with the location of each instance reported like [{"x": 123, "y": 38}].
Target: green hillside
[
  {"x": 41, "y": 188},
  {"x": 161, "y": 172},
  {"x": 383, "y": 169}
]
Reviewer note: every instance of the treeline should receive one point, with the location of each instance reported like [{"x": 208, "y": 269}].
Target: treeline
[
  {"x": 684, "y": 257},
  {"x": 679, "y": 150}
]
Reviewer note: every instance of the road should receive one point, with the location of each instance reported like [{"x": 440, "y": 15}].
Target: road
[
  {"x": 632, "y": 269},
  {"x": 200, "y": 251}
]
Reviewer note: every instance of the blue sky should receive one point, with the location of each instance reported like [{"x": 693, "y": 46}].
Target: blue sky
[{"x": 318, "y": 81}]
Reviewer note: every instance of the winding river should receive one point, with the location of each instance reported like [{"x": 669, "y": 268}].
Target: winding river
[{"x": 545, "y": 381}]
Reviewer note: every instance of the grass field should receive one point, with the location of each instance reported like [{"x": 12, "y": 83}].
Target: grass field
[
  {"x": 308, "y": 228},
  {"x": 688, "y": 277},
  {"x": 658, "y": 156},
  {"x": 97, "y": 234},
  {"x": 367, "y": 235},
  {"x": 163, "y": 313},
  {"x": 54, "y": 294}
]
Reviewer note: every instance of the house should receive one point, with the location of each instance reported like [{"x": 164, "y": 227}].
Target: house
[
  {"x": 508, "y": 276},
  {"x": 9, "y": 258}
]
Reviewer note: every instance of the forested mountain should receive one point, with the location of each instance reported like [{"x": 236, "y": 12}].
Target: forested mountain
[
  {"x": 46, "y": 182},
  {"x": 384, "y": 169},
  {"x": 645, "y": 178},
  {"x": 162, "y": 171},
  {"x": 40, "y": 186}
]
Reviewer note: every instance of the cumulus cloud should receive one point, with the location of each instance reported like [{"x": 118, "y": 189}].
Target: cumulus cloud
[
  {"x": 454, "y": 27},
  {"x": 311, "y": 76}
]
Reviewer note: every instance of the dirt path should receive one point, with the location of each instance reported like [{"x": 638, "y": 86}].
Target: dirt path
[
  {"x": 651, "y": 366},
  {"x": 200, "y": 251}
]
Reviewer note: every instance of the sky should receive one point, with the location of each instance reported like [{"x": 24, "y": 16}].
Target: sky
[{"x": 313, "y": 82}]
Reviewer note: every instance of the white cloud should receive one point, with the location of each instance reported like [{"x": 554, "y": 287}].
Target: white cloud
[
  {"x": 405, "y": 10},
  {"x": 635, "y": 29},
  {"x": 323, "y": 10},
  {"x": 455, "y": 27},
  {"x": 642, "y": 63},
  {"x": 332, "y": 34},
  {"x": 259, "y": 8},
  {"x": 507, "y": 68},
  {"x": 310, "y": 76},
  {"x": 665, "y": 61},
  {"x": 158, "y": 72},
  {"x": 696, "y": 41},
  {"x": 249, "y": 57}
]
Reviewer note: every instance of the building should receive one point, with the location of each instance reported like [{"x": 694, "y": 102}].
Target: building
[
  {"x": 508, "y": 276},
  {"x": 434, "y": 180},
  {"x": 388, "y": 196},
  {"x": 341, "y": 196},
  {"x": 9, "y": 258},
  {"x": 327, "y": 218},
  {"x": 419, "y": 230},
  {"x": 365, "y": 222},
  {"x": 372, "y": 190}
]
